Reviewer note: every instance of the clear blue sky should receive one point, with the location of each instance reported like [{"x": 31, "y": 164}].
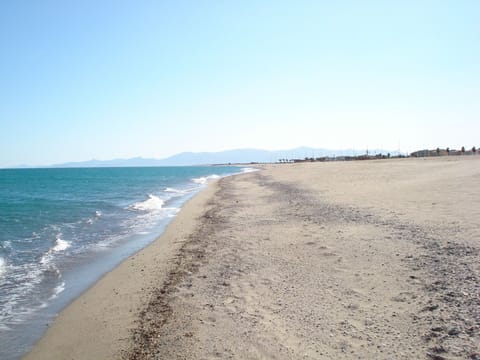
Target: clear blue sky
[{"x": 112, "y": 79}]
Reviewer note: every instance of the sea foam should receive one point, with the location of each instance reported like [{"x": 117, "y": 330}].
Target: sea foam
[
  {"x": 3, "y": 266},
  {"x": 60, "y": 245},
  {"x": 151, "y": 204},
  {"x": 58, "y": 290},
  {"x": 203, "y": 180},
  {"x": 248, "y": 170},
  {"x": 175, "y": 191}
]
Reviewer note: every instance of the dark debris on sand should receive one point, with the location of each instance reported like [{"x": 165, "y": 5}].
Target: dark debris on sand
[
  {"x": 448, "y": 274},
  {"x": 445, "y": 271},
  {"x": 147, "y": 334}
]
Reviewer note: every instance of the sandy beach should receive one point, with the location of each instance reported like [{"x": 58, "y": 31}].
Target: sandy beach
[{"x": 341, "y": 260}]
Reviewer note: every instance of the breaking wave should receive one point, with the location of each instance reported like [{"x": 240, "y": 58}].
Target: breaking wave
[
  {"x": 248, "y": 170},
  {"x": 151, "y": 204},
  {"x": 58, "y": 290},
  {"x": 203, "y": 180},
  {"x": 3, "y": 266},
  {"x": 175, "y": 191},
  {"x": 60, "y": 245}
]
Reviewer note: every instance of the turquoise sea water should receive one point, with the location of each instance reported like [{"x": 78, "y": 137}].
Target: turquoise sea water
[{"x": 61, "y": 229}]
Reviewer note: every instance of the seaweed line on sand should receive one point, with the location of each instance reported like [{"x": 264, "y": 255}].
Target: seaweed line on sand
[
  {"x": 444, "y": 271},
  {"x": 145, "y": 337}
]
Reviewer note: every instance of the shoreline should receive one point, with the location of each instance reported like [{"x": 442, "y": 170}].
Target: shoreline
[
  {"x": 298, "y": 261},
  {"x": 105, "y": 314},
  {"x": 88, "y": 222}
]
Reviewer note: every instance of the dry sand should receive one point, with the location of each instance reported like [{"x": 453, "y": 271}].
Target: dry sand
[{"x": 352, "y": 260}]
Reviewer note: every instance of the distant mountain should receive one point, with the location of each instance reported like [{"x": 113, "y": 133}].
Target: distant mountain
[
  {"x": 133, "y": 162},
  {"x": 223, "y": 157}
]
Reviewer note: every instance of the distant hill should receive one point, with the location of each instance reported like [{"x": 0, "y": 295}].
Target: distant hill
[{"x": 222, "y": 157}]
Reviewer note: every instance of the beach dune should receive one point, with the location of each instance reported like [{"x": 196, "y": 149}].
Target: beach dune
[{"x": 342, "y": 260}]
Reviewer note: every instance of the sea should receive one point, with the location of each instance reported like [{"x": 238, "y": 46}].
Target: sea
[{"x": 61, "y": 229}]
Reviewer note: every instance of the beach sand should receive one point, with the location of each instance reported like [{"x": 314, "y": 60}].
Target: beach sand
[{"x": 343, "y": 260}]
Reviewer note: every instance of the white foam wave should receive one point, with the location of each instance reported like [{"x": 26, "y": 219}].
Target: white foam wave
[
  {"x": 58, "y": 290},
  {"x": 3, "y": 266},
  {"x": 6, "y": 244},
  {"x": 248, "y": 170},
  {"x": 27, "y": 277},
  {"x": 45, "y": 260},
  {"x": 203, "y": 180},
  {"x": 151, "y": 204},
  {"x": 60, "y": 245},
  {"x": 98, "y": 214},
  {"x": 175, "y": 191}
]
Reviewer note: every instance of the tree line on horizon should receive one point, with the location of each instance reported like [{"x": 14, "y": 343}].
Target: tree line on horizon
[
  {"x": 444, "y": 152},
  {"x": 419, "y": 153}
]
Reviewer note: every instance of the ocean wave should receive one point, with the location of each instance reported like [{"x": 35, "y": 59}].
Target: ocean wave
[
  {"x": 27, "y": 278},
  {"x": 202, "y": 180},
  {"x": 98, "y": 214},
  {"x": 175, "y": 191},
  {"x": 58, "y": 290},
  {"x": 205, "y": 179},
  {"x": 151, "y": 204},
  {"x": 47, "y": 258},
  {"x": 6, "y": 245},
  {"x": 3, "y": 266},
  {"x": 248, "y": 170},
  {"x": 60, "y": 245}
]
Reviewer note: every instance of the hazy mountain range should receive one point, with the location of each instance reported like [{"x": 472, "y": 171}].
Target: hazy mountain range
[{"x": 223, "y": 157}]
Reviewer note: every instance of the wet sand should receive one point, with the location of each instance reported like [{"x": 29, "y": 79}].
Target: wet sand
[{"x": 351, "y": 260}]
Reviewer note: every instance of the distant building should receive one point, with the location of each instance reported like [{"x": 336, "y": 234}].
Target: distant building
[
  {"x": 441, "y": 152},
  {"x": 424, "y": 153}
]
